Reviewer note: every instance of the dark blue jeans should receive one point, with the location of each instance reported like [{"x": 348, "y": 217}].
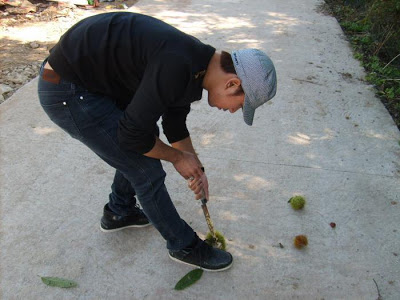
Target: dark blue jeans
[{"x": 93, "y": 119}]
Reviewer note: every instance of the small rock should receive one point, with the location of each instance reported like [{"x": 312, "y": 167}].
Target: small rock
[
  {"x": 17, "y": 78},
  {"x": 79, "y": 2},
  {"x": 29, "y": 72},
  {"x": 5, "y": 89},
  {"x": 34, "y": 45},
  {"x": 23, "y": 7}
]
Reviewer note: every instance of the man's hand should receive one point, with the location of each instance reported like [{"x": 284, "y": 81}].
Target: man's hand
[
  {"x": 187, "y": 165},
  {"x": 199, "y": 186},
  {"x": 185, "y": 161}
]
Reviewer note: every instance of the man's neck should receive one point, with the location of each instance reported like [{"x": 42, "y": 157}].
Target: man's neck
[{"x": 212, "y": 71}]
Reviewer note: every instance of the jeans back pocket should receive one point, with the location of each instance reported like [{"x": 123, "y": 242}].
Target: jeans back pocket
[{"x": 61, "y": 115}]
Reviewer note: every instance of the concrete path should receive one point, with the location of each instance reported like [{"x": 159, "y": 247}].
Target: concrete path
[{"x": 325, "y": 136}]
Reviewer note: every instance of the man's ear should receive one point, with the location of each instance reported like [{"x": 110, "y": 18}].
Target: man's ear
[{"x": 233, "y": 82}]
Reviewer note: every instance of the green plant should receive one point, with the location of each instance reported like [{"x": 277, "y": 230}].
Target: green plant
[
  {"x": 359, "y": 56},
  {"x": 390, "y": 93},
  {"x": 362, "y": 40},
  {"x": 355, "y": 26}
]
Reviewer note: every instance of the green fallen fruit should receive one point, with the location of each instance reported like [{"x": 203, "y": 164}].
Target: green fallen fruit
[
  {"x": 218, "y": 242},
  {"x": 297, "y": 202},
  {"x": 189, "y": 279}
]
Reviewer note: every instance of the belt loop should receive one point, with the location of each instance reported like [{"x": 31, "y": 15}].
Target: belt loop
[{"x": 73, "y": 88}]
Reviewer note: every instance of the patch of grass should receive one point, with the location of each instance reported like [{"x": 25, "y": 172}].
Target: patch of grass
[
  {"x": 373, "y": 28},
  {"x": 354, "y": 26},
  {"x": 363, "y": 40}
]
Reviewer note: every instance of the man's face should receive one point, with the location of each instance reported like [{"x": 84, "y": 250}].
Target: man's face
[{"x": 225, "y": 99}]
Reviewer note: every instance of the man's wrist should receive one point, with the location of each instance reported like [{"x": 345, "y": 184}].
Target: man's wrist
[
  {"x": 165, "y": 152},
  {"x": 178, "y": 155}
]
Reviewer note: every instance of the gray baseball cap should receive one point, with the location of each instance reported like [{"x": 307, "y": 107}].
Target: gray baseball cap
[{"x": 257, "y": 73}]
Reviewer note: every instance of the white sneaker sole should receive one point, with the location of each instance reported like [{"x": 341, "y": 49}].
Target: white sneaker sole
[
  {"x": 196, "y": 266},
  {"x": 125, "y": 227}
]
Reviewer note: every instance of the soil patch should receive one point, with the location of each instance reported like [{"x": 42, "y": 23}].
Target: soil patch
[{"x": 27, "y": 37}]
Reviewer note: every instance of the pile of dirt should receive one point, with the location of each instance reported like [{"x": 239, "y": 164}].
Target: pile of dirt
[{"x": 29, "y": 29}]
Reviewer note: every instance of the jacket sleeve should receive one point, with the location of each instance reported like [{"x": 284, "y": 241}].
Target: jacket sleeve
[
  {"x": 174, "y": 123},
  {"x": 162, "y": 86}
]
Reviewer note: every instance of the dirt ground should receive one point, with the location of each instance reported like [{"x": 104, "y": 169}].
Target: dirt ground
[{"x": 25, "y": 38}]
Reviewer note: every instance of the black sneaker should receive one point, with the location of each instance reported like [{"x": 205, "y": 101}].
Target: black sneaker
[
  {"x": 204, "y": 256},
  {"x": 111, "y": 222}
]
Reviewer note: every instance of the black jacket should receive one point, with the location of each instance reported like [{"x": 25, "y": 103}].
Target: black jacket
[{"x": 148, "y": 67}]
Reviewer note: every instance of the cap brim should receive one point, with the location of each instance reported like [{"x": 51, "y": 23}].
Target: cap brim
[{"x": 248, "y": 112}]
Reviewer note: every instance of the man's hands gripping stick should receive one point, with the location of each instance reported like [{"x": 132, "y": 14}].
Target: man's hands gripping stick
[{"x": 199, "y": 186}]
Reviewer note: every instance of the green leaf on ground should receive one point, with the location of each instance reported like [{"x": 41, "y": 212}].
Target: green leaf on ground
[
  {"x": 189, "y": 279},
  {"x": 59, "y": 282}
]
